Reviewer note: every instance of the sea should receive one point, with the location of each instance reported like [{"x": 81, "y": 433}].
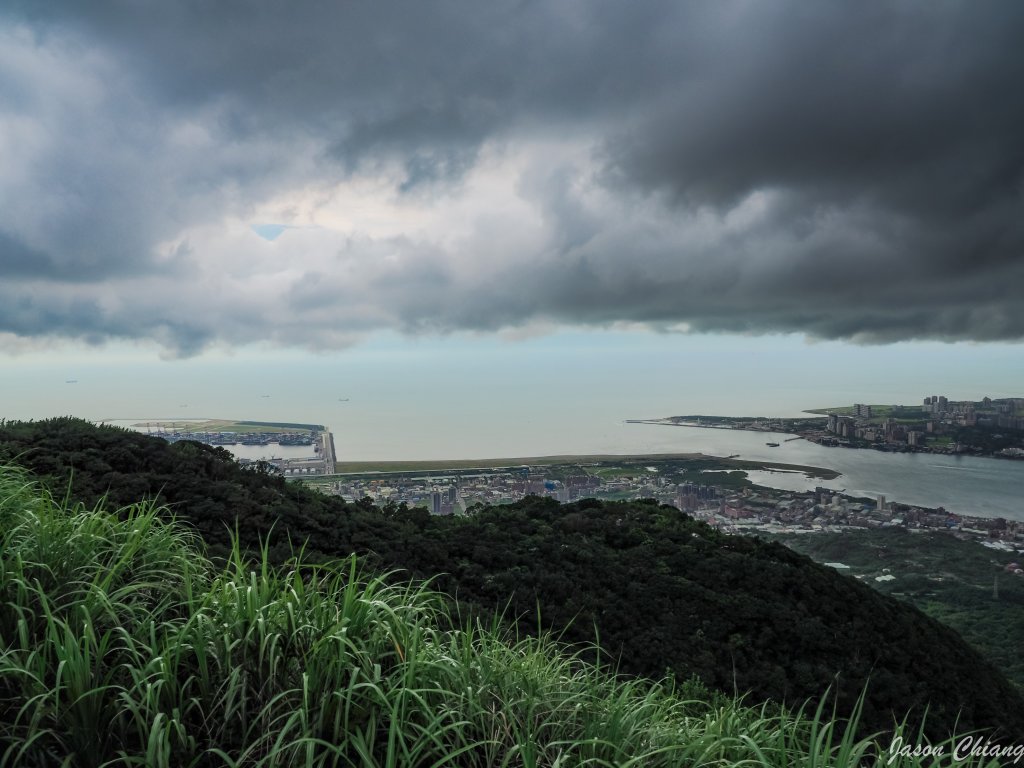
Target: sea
[{"x": 557, "y": 396}]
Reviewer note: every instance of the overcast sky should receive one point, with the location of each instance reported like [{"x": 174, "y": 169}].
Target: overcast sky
[{"x": 310, "y": 174}]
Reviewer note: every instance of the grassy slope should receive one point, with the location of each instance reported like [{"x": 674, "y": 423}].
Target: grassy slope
[{"x": 122, "y": 645}]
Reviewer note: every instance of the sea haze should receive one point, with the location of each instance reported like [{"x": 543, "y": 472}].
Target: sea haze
[
  {"x": 567, "y": 393},
  {"x": 459, "y": 397}
]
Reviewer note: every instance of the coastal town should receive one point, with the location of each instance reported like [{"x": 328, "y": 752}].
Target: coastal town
[
  {"x": 721, "y": 497},
  {"x": 987, "y": 427},
  {"x": 715, "y": 490}
]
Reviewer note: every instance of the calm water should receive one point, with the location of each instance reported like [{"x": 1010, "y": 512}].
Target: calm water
[{"x": 965, "y": 484}]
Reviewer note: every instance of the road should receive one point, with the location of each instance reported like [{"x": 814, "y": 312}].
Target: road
[{"x": 327, "y": 451}]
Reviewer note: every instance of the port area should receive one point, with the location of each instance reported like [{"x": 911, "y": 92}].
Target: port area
[{"x": 236, "y": 435}]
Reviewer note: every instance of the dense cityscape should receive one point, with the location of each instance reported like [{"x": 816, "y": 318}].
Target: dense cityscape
[{"x": 726, "y": 507}]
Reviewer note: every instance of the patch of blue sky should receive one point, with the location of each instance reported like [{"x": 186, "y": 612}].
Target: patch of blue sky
[{"x": 269, "y": 231}]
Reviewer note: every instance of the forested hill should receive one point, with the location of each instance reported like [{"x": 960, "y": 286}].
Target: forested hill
[{"x": 663, "y": 592}]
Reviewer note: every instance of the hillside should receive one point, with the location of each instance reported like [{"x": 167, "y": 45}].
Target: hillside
[
  {"x": 660, "y": 591},
  {"x": 122, "y": 645},
  {"x": 962, "y": 583}
]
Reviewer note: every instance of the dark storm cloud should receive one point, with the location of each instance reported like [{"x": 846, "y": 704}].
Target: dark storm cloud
[
  {"x": 842, "y": 170},
  {"x": 19, "y": 259},
  {"x": 35, "y": 313},
  {"x": 914, "y": 107}
]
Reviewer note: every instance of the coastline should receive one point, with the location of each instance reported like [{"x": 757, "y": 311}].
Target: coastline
[
  {"x": 727, "y": 462},
  {"x": 813, "y": 435}
]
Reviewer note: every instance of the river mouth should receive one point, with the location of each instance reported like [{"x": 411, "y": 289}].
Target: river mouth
[{"x": 968, "y": 485}]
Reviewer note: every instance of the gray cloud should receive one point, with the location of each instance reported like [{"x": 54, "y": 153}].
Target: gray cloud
[
  {"x": 914, "y": 108},
  {"x": 840, "y": 170}
]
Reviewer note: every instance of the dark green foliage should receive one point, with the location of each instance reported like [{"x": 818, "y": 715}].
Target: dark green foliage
[
  {"x": 664, "y": 592},
  {"x": 961, "y": 583},
  {"x": 738, "y": 612},
  {"x": 989, "y": 439},
  {"x": 201, "y": 484}
]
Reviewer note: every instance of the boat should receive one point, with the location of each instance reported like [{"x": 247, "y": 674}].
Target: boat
[{"x": 772, "y": 445}]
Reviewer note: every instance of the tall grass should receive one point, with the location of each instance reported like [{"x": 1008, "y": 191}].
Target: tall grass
[{"x": 122, "y": 645}]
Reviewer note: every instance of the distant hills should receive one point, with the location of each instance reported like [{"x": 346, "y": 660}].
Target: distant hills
[{"x": 657, "y": 591}]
